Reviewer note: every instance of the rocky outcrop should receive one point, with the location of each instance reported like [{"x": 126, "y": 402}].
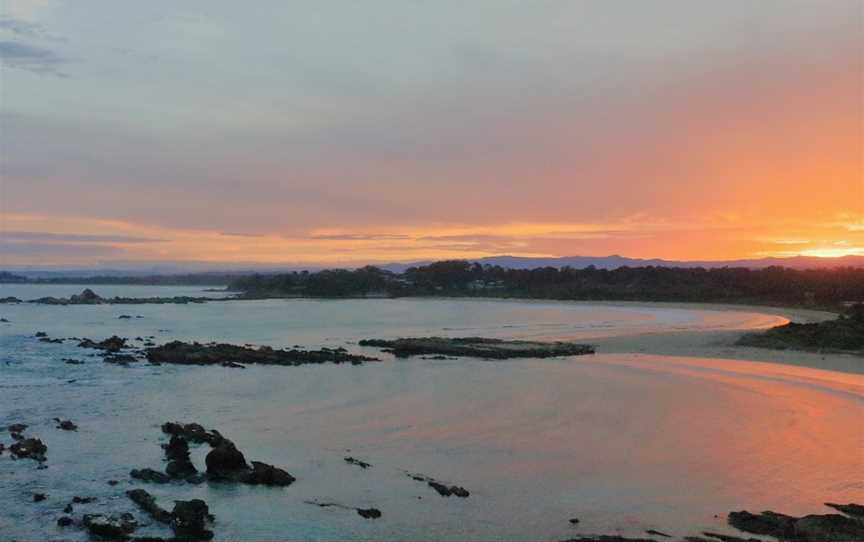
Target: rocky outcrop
[
  {"x": 89, "y": 297},
  {"x": 189, "y": 520},
  {"x": 181, "y": 353},
  {"x": 477, "y": 347},
  {"x": 110, "y": 527},
  {"x": 192, "y": 432},
  {"x": 65, "y": 425},
  {"x": 32, "y": 448},
  {"x": 225, "y": 462},
  {"x": 111, "y": 344},
  {"x": 147, "y": 503}
]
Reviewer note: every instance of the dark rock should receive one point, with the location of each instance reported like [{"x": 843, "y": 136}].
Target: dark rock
[
  {"x": 150, "y": 475},
  {"x": 113, "y": 482},
  {"x": 73, "y": 361},
  {"x": 767, "y": 523},
  {"x": 369, "y": 513},
  {"x": 268, "y": 475},
  {"x": 64, "y": 521},
  {"x": 147, "y": 502},
  {"x": 16, "y": 436},
  {"x": 180, "y": 469},
  {"x": 40, "y": 334},
  {"x": 112, "y": 527},
  {"x": 851, "y": 509},
  {"x": 828, "y": 528},
  {"x": 66, "y": 425},
  {"x": 111, "y": 344},
  {"x": 83, "y": 500},
  {"x": 225, "y": 460},
  {"x": 39, "y": 497},
  {"x": 479, "y": 347},
  {"x": 447, "y": 491},
  {"x": 177, "y": 448},
  {"x": 124, "y": 317},
  {"x": 355, "y": 461},
  {"x": 726, "y": 538},
  {"x": 607, "y": 538},
  {"x": 574, "y": 521},
  {"x": 658, "y": 533},
  {"x": 87, "y": 296},
  {"x": 49, "y": 340},
  {"x": 68, "y": 509},
  {"x": 189, "y": 519},
  {"x": 177, "y": 352},
  {"x": 193, "y": 432},
  {"x": 30, "y": 447},
  {"x": 10, "y": 299}
]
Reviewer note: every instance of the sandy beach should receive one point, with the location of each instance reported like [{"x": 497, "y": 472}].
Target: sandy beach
[{"x": 721, "y": 344}]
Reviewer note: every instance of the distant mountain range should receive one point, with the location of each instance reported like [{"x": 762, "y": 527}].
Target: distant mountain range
[{"x": 614, "y": 262}]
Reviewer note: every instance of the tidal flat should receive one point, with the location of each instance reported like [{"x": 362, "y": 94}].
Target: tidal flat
[{"x": 625, "y": 441}]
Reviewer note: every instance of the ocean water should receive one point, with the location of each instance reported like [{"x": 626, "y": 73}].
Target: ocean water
[{"x": 623, "y": 442}]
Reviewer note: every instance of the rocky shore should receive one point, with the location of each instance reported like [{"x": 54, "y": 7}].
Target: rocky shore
[
  {"x": 478, "y": 347},
  {"x": 844, "y": 334},
  {"x": 192, "y": 521},
  {"x": 183, "y": 353}
]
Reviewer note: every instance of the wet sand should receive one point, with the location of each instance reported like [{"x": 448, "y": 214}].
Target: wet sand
[{"x": 720, "y": 344}]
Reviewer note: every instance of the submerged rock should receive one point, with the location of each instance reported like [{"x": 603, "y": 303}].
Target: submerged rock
[
  {"x": 111, "y": 344},
  {"x": 441, "y": 488},
  {"x": 189, "y": 519},
  {"x": 17, "y": 428},
  {"x": 446, "y": 491},
  {"x": 268, "y": 475},
  {"x": 478, "y": 347},
  {"x": 65, "y": 425},
  {"x": 32, "y": 448},
  {"x": 607, "y": 538},
  {"x": 359, "y": 463},
  {"x": 369, "y": 513},
  {"x": 111, "y": 527},
  {"x": 150, "y": 475},
  {"x": 178, "y": 352},
  {"x": 147, "y": 503}
]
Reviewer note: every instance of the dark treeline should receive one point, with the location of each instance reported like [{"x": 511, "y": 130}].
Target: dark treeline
[{"x": 776, "y": 285}]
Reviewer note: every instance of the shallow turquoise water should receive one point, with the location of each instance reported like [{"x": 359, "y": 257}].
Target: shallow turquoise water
[{"x": 623, "y": 442}]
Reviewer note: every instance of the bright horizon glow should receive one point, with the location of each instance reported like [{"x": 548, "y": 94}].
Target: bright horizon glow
[{"x": 291, "y": 134}]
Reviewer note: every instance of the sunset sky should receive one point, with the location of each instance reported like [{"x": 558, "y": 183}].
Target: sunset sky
[{"x": 341, "y": 133}]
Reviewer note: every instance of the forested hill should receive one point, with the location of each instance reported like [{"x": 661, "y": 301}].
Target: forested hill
[{"x": 775, "y": 285}]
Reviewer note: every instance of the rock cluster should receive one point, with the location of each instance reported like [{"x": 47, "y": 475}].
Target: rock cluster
[
  {"x": 477, "y": 347},
  {"x": 225, "y": 462},
  {"x": 182, "y": 353},
  {"x": 188, "y": 519}
]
